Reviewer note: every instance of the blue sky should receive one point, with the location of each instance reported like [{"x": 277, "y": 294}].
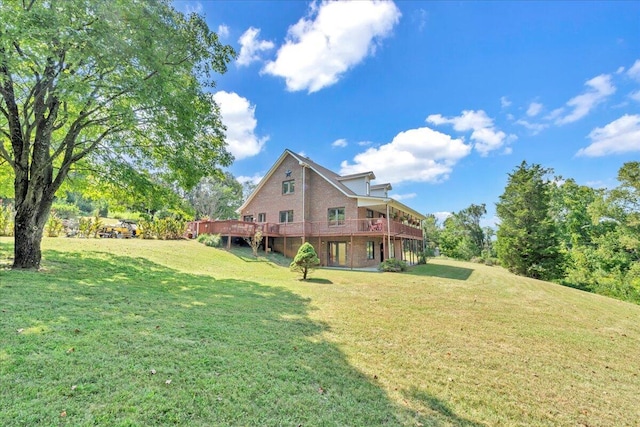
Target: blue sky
[{"x": 442, "y": 99}]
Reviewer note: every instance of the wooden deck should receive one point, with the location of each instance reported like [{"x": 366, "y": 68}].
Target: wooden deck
[{"x": 348, "y": 227}]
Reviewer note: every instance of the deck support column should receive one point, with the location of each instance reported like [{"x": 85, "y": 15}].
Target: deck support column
[{"x": 351, "y": 252}]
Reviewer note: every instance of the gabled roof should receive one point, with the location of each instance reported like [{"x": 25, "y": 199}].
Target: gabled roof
[
  {"x": 370, "y": 174},
  {"x": 385, "y": 186},
  {"x": 333, "y": 179}
]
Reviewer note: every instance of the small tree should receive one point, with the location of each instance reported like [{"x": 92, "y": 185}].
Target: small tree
[
  {"x": 254, "y": 241},
  {"x": 306, "y": 259}
]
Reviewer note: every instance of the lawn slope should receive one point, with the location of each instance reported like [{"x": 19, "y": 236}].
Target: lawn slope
[{"x": 136, "y": 332}]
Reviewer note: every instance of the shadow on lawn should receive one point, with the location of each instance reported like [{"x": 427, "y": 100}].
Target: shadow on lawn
[
  {"x": 440, "y": 408},
  {"x": 444, "y": 271},
  {"x": 236, "y": 352},
  {"x": 246, "y": 255}
]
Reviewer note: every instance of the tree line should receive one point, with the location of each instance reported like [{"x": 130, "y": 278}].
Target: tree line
[{"x": 554, "y": 229}]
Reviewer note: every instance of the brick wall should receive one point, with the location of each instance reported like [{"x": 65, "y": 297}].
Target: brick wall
[{"x": 320, "y": 195}]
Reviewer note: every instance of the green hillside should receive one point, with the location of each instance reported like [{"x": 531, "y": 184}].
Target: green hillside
[{"x": 142, "y": 332}]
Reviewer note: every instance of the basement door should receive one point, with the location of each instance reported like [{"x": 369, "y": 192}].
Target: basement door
[{"x": 337, "y": 255}]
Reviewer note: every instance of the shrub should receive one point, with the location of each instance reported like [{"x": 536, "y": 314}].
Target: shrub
[
  {"x": 54, "y": 225},
  {"x": 6, "y": 220},
  {"x": 393, "y": 265},
  {"x": 213, "y": 240},
  {"x": 306, "y": 260}
]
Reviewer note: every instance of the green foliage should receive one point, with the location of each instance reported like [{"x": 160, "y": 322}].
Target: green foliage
[
  {"x": 116, "y": 88},
  {"x": 216, "y": 198},
  {"x": 213, "y": 240},
  {"x": 85, "y": 227},
  {"x": 65, "y": 210},
  {"x": 54, "y": 226},
  {"x": 527, "y": 242},
  {"x": 393, "y": 265},
  {"x": 255, "y": 241},
  {"x": 166, "y": 228},
  {"x": 6, "y": 219},
  {"x": 306, "y": 260},
  {"x": 431, "y": 232},
  {"x": 602, "y": 235},
  {"x": 462, "y": 237}
]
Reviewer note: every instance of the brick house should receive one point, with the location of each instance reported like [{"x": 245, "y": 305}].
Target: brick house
[{"x": 349, "y": 221}]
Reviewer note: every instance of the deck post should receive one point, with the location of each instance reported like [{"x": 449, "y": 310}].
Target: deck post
[
  {"x": 319, "y": 248},
  {"x": 351, "y": 252}
]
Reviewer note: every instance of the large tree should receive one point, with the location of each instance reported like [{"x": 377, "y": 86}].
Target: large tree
[
  {"x": 115, "y": 84},
  {"x": 462, "y": 236},
  {"x": 216, "y": 198},
  {"x": 527, "y": 241}
]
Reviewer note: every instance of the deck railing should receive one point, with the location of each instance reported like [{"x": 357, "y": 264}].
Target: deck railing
[{"x": 368, "y": 226}]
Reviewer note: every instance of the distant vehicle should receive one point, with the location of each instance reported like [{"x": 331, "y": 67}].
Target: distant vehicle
[{"x": 122, "y": 230}]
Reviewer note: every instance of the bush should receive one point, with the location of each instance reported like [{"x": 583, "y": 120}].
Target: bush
[
  {"x": 213, "y": 240},
  {"x": 393, "y": 265},
  {"x": 306, "y": 259},
  {"x": 6, "y": 220},
  {"x": 54, "y": 225}
]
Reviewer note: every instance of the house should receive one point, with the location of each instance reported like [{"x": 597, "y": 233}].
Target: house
[{"x": 350, "y": 221}]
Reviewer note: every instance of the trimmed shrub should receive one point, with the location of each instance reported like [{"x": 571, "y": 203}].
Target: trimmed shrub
[
  {"x": 306, "y": 260},
  {"x": 213, "y": 240},
  {"x": 392, "y": 265}
]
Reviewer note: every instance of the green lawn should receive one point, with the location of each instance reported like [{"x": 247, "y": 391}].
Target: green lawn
[{"x": 138, "y": 332}]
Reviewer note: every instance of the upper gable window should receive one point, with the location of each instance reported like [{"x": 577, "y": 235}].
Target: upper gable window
[{"x": 288, "y": 187}]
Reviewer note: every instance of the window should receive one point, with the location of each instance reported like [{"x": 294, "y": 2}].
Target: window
[
  {"x": 370, "y": 252},
  {"x": 286, "y": 216},
  {"x": 336, "y": 216},
  {"x": 262, "y": 217},
  {"x": 369, "y": 213},
  {"x": 248, "y": 218},
  {"x": 288, "y": 187}
]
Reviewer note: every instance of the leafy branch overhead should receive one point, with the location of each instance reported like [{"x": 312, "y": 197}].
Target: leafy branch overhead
[{"x": 116, "y": 84}]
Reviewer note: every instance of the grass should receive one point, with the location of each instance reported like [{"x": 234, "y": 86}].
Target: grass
[{"x": 244, "y": 342}]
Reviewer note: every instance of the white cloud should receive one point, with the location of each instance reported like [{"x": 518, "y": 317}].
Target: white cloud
[
  {"x": 535, "y": 128},
  {"x": 420, "y": 16},
  {"x": 223, "y": 31},
  {"x": 238, "y": 115},
  {"x": 417, "y": 155},
  {"x": 534, "y": 109},
  {"x": 364, "y": 143},
  {"x": 188, "y": 7},
  {"x": 489, "y": 222},
  {"x": 442, "y": 216},
  {"x": 504, "y": 102},
  {"x": 619, "y": 136},
  {"x": 255, "y": 179},
  {"x": 635, "y": 95},
  {"x": 620, "y": 70},
  {"x": 250, "y": 47},
  {"x": 403, "y": 196},
  {"x": 634, "y": 71},
  {"x": 333, "y": 39},
  {"x": 339, "y": 143},
  {"x": 485, "y": 135},
  {"x": 600, "y": 87}
]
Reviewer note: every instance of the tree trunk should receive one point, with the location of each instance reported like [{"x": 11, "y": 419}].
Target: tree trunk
[{"x": 28, "y": 230}]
